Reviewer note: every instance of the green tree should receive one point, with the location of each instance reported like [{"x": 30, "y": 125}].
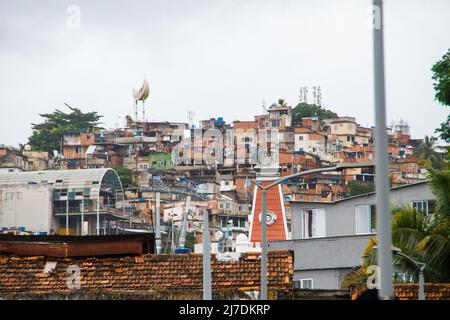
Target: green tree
[
  {"x": 357, "y": 188},
  {"x": 426, "y": 151},
  {"x": 282, "y": 102},
  {"x": 310, "y": 110},
  {"x": 444, "y": 130},
  {"x": 125, "y": 175},
  {"x": 48, "y": 135},
  {"x": 441, "y": 77},
  {"x": 423, "y": 239}
]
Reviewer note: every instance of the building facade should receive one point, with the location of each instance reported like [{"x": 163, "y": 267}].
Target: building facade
[{"x": 329, "y": 237}]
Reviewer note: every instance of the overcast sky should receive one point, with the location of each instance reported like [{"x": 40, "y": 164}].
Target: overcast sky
[{"x": 216, "y": 58}]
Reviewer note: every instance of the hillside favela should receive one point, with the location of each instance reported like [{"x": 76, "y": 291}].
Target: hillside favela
[{"x": 291, "y": 200}]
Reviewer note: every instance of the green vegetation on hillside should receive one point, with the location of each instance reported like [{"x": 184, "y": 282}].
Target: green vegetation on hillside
[
  {"x": 48, "y": 135},
  {"x": 311, "y": 110}
]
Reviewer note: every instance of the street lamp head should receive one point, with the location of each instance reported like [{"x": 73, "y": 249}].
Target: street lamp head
[{"x": 394, "y": 249}]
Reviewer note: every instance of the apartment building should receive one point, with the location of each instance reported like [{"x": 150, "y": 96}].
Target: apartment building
[
  {"x": 12, "y": 160},
  {"x": 329, "y": 237}
]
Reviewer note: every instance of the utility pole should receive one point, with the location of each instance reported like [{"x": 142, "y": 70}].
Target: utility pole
[
  {"x": 182, "y": 239},
  {"x": 158, "y": 223},
  {"x": 263, "y": 245},
  {"x": 381, "y": 167},
  {"x": 98, "y": 216},
  {"x": 206, "y": 258},
  {"x": 67, "y": 215},
  {"x": 82, "y": 216}
]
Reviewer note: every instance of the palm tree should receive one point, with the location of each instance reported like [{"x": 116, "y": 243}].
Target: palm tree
[
  {"x": 426, "y": 151},
  {"x": 423, "y": 239},
  {"x": 282, "y": 102}
]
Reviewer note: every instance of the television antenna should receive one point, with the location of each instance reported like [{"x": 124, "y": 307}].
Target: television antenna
[
  {"x": 191, "y": 115},
  {"x": 263, "y": 105},
  {"x": 319, "y": 96}
]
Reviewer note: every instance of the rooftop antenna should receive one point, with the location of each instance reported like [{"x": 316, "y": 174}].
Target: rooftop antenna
[
  {"x": 315, "y": 95},
  {"x": 191, "y": 115},
  {"x": 263, "y": 105},
  {"x": 319, "y": 96},
  {"x": 305, "y": 94}
]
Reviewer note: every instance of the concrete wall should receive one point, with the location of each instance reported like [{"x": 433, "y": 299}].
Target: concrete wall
[
  {"x": 29, "y": 206},
  {"x": 329, "y": 279},
  {"x": 325, "y": 260}
]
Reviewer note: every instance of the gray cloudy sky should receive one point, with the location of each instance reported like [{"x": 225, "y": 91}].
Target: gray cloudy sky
[{"x": 216, "y": 58}]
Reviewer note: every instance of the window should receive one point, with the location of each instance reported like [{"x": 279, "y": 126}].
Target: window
[
  {"x": 274, "y": 123},
  {"x": 306, "y": 283},
  {"x": 313, "y": 223},
  {"x": 365, "y": 219},
  {"x": 425, "y": 206},
  {"x": 300, "y": 138},
  {"x": 78, "y": 149}
]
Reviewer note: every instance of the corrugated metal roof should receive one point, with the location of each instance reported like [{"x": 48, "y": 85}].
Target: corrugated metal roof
[{"x": 65, "y": 179}]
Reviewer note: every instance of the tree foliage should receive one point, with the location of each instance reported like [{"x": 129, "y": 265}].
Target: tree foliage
[
  {"x": 426, "y": 151},
  {"x": 444, "y": 130},
  {"x": 356, "y": 188},
  {"x": 125, "y": 175},
  {"x": 441, "y": 77},
  {"x": 310, "y": 110},
  {"x": 48, "y": 135}
]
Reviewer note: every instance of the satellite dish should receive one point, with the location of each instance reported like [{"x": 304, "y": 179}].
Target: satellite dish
[
  {"x": 218, "y": 235},
  {"x": 142, "y": 93},
  {"x": 241, "y": 239}
]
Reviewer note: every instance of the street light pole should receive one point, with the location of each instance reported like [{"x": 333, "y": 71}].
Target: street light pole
[
  {"x": 419, "y": 265},
  {"x": 421, "y": 283},
  {"x": 381, "y": 171},
  {"x": 263, "y": 244},
  {"x": 339, "y": 167},
  {"x": 206, "y": 258}
]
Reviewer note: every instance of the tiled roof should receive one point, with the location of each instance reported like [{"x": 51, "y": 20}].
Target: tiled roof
[
  {"x": 409, "y": 291},
  {"x": 142, "y": 273},
  {"x": 433, "y": 291}
]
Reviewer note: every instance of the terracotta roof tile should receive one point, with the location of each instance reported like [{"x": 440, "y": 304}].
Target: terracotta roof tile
[
  {"x": 409, "y": 291},
  {"x": 142, "y": 273},
  {"x": 433, "y": 291}
]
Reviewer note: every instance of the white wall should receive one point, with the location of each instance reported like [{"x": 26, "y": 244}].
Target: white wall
[
  {"x": 27, "y": 206},
  {"x": 312, "y": 146}
]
